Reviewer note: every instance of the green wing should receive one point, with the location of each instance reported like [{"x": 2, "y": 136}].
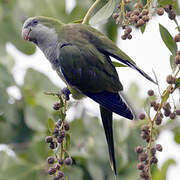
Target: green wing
[{"x": 87, "y": 69}]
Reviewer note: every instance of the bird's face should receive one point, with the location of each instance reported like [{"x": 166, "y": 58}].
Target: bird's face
[{"x": 31, "y": 29}]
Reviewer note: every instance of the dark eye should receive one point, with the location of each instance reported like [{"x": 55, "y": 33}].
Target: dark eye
[{"x": 35, "y": 22}]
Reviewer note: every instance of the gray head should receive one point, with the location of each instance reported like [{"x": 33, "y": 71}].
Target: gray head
[{"x": 40, "y": 29}]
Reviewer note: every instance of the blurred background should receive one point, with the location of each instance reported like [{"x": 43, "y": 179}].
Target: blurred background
[{"x": 24, "y": 109}]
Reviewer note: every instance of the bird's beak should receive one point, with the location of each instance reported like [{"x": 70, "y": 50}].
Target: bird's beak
[{"x": 26, "y": 33}]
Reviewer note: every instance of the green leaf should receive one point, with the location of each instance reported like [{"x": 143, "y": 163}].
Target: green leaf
[
  {"x": 161, "y": 174},
  {"x": 51, "y": 125},
  {"x": 165, "y": 2},
  {"x": 68, "y": 141},
  {"x": 6, "y": 78},
  {"x": 172, "y": 63},
  {"x": 117, "y": 64},
  {"x": 36, "y": 118},
  {"x": 168, "y": 39},
  {"x": 104, "y": 13},
  {"x": 177, "y": 137},
  {"x": 177, "y": 84},
  {"x": 147, "y": 106},
  {"x": 165, "y": 96},
  {"x": 143, "y": 28}
]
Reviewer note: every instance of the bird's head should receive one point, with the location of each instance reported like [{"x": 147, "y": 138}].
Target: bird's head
[{"x": 39, "y": 29}]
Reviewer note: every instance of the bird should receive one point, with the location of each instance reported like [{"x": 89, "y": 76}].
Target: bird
[{"x": 81, "y": 56}]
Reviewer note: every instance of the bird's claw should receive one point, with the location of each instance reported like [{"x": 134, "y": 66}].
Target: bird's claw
[{"x": 66, "y": 92}]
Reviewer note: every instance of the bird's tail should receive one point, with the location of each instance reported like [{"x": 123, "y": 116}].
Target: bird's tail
[{"x": 106, "y": 116}]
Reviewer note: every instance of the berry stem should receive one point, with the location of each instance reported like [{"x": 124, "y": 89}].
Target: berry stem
[{"x": 166, "y": 93}]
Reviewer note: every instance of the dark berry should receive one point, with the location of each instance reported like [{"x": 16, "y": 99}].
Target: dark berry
[
  {"x": 135, "y": 18},
  {"x": 50, "y": 160},
  {"x": 53, "y": 145},
  {"x": 145, "y": 128},
  {"x": 143, "y": 156},
  {"x": 57, "y": 166},
  {"x": 59, "y": 122},
  {"x": 145, "y": 135},
  {"x": 166, "y": 8},
  {"x": 153, "y": 103},
  {"x": 60, "y": 174},
  {"x": 145, "y": 18},
  {"x": 138, "y": 149},
  {"x": 60, "y": 161},
  {"x": 49, "y": 139},
  {"x": 128, "y": 29},
  {"x": 178, "y": 112},
  {"x": 142, "y": 116},
  {"x": 177, "y": 38},
  {"x": 167, "y": 113},
  {"x": 143, "y": 175},
  {"x": 56, "y": 106},
  {"x": 62, "y": 133},
  {"x": 156, "y": 107},
  {"x": 51, "y": 171},
  {"x": 140, "y": 22},
  {"x": 59, "y": 139},
  {"x": 123, "y": 37},
  {"x": 172, "y": 15},
  {"x": 150, "y": 92},
  {"x": 115, "y": 15},
  {"x": 128, "y": 14},
  {"x": 129, "y": 36},
  {"x": 140, "y": 166},
  {"x": 159, "y": 147},
  {"x": 68, "y": 161},
  {"x": 160, "y": 11},
  {"x": 56, "y": 130},
  {"x": 177, "y": 59},
  {"x": 154, "y": 160},
  {"x": 172, "y": 115},
  {"x": 158, "y": 119},
  {"x": 145, "y": 12},
  {"x": 66, "y": 126},
  {"x": 153, "y": 151},
  {"x": 166, "y": 106},
  {"x": 136, "y": 12}
]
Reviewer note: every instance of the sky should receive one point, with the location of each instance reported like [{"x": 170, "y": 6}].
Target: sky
[{"x": 147, "y": 50}]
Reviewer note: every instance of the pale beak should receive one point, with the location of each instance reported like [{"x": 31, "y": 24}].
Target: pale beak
[{"x": 25, "y": 34}]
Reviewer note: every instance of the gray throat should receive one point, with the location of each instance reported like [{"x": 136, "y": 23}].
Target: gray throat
[{"x": 49, "y": 45}]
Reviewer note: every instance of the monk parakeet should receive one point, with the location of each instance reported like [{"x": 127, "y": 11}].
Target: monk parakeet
[{"x": 81, "y": 57}]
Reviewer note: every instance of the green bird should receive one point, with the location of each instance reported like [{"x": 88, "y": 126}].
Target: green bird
[{"x": 81, "y": 56}]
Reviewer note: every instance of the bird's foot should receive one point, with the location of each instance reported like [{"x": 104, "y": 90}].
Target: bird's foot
[{"x": 66, "y": 92}]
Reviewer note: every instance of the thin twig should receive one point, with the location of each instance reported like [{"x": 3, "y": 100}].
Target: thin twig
[{"x": 90, "y": 11}]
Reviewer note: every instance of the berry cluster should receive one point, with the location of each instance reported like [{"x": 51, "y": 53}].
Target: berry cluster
[
  {"x": 139, "y": 16},
  {"x": 170, "y": 11},
  {"x": 142, "y": 166},
  {"x": 147, "y": 155},
  {"x": 55, "y": 141}
]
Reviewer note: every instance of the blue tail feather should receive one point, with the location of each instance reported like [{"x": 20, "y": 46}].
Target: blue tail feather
[{"x": 112, "y": 101}]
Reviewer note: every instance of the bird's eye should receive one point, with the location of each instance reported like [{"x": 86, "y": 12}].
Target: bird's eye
[{"x": 35, "y": 22}]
